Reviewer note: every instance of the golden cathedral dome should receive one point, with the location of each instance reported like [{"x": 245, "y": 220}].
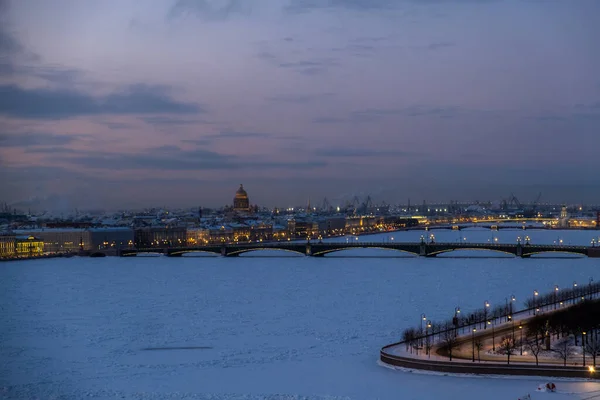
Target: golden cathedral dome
[
  {"x": 241, "y": 193},
  {"x": 241, "y": 201}
]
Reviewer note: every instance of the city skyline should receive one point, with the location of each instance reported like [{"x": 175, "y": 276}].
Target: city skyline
[{"x": 118, "y": 104}]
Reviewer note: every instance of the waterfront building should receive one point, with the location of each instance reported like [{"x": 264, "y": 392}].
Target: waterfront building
[
  {"x": 303, "y": 227},
  {"x": 197, "y": 236},
  {"x": 110, "y": 237},
  {"x": 61, "y": 240},
  {"x": 70, "y": 240},
  {"x": 160, "y": 236},
  {"x": 220, "y": 234},
  {"x": 28, "y": 246},
  {"x": 7, "y": 245},
  {"x": 260, "y": 231},
  {"x": 241, "y": 203}
]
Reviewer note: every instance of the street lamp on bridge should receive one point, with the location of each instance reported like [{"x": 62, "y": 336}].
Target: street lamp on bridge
[
  {"x": 521, "y": 340},
  {"x": 427, "y": 325},
  {"x": 493, "y": 335},
  {"x": 473, "y": 341},
  {"x": 583, "y": 345},
  {"x": 512, "y": 300},
  {"x": 485, "y": 313},
  {"x": 535, "y": 295}
]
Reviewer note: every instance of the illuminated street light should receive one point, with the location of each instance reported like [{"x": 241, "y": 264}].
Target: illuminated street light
[
  {"x": 473, "y": 341},
  {"x": 493, "y": 336},
  {"x": 583, "y": 345},
  {"x": 521, "y": 329}
]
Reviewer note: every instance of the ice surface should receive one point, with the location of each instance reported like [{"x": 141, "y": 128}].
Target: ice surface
[{"x": 259, "y": 327}]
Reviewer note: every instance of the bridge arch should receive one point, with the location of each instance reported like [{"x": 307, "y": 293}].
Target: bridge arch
[
  {"x": 320, "y": 253},
  {"x": 566, "y": 251},
  {"x": 238, "y": 252},
  {"x": 182, "y": 252},
  {"x": 143, "y": 254},
  {"x": 449, "y": 250}
]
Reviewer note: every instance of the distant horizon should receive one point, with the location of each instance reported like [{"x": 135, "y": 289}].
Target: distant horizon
[{"x": 61, "y": 204}]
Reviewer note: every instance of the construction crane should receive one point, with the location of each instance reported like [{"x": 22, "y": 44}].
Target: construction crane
[
  {"x": 510, "y": 202},
  {"x": 326, "y": 206},
  {"x": 532, "y": 210}
]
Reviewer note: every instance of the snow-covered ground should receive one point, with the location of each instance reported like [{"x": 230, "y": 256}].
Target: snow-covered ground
[{"x": 253, "y": 327}]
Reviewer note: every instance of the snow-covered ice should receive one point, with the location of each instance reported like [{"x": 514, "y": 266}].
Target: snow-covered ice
[{"x": 288, "y": 327}]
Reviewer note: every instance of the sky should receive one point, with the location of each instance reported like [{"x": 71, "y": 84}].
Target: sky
[{"x": 130, "y": 103}]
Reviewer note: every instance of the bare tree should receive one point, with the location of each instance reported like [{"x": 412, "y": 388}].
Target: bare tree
[
  {"x": 478, "y": 347},
  {"x": 563, "y": 350},
  {"x": 449, "y": 342},
  {"x": 507, "y": 345},
  {"x": 408, "y": 336},
  {"x": 428, "y": 346},
  {"x": 592, "y": 347},
  {"x": 535, "y": 346}
]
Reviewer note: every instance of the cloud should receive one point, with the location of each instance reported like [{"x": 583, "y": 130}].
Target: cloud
[
  {"x": 374, "y": 114},
  {"x": 298, "y": 98},
  {"x": 303, "y": 6},
  {"x": 356, "y": 152},
  {"x": 43, "y": 103},
  {"x": 266, "y": 55},
  {"x": 173, "y": 158},
  {"x": 237, "y": 135},
  {"x": 50, "y": 150},
  {"x": 36, "y": 139},
  {"x": 166, "y": 121},
  {"x": 209, "y": 10},
  {"x": 439, "y": 45},
  {"x": 55, "y": 74},
  {"x": 300, "y": 6},
  {"x": 309, "y": 67},
  {"x": 198, "y": 142},
  {"x": 116, "y": 125}
]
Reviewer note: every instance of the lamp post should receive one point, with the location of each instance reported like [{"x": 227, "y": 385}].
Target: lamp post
[
  {"x": 493, "y": 335},
  {"x": 512, "y": 300},
  {"x": 473, "y": 341},
  {"x": 423, "y": 318},
  {"x": 455, "y": 320},
  {"x": 521, "y": 340},
  {"x": 535, "y": 295},
  {"x": 574, "y": 291},
  {"x": 583, "y": 346},
  {"x": 427, "y": 325},
  {"x": 485, "y": 313},
  {"x": 591, "y": 281},
  {"x": 513, "y": 327},
  {"x": 555, "y": 294}
]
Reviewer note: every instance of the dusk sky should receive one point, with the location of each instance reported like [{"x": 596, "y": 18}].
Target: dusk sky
[{"x": 123, "y": 103}]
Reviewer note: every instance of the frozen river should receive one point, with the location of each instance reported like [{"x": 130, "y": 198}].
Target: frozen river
[{"x": 253, "y": 327}]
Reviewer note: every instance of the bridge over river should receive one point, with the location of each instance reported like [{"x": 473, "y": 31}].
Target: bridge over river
[{"x": 418, "y": 249}]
